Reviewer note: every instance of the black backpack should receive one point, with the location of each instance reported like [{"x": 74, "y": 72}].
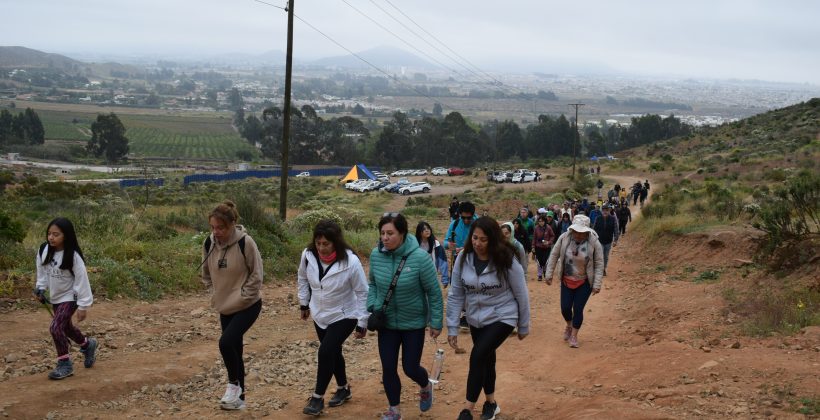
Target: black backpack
[{"x": 207, "y": 245}]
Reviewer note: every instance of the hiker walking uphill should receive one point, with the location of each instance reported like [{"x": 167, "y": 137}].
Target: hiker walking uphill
[
  {"x": 489, "y": 283},
  {"x": 453, "y": 210},
  {"x": 429, "y": 244},
  {"x": 232, "y": 270},
  {"x": 542, "y": 242},
  {"x": 606, "y": 226},
  {"x": 520, "y": 253},
  {"x": 644, "y": 192},
  {"x": 624, "y": 217},
  {"x": 403, "y": 298},
  {"x": 577, "y": 261},
  {"x": 333, "y": 291},
  {"x": 61, "y": 271}
]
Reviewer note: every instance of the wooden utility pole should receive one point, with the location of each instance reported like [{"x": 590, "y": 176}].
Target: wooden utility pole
[
  {"x": 575, "y": 138},
  {"x": 283, "y": 187}
]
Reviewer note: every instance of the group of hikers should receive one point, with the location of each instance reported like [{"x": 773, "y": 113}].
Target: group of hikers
[{"x": 481, "y": 263}]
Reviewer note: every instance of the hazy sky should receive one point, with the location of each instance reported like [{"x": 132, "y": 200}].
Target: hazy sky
[{"x": 747, "y": 39}]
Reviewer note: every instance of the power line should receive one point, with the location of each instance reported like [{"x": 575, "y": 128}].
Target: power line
[
  {"x": 388, "y": 75},
  {"x": 271, "y": 5},
  {"x": 443, "y": 44},
  {"x": 402, "y": 39},
  {"x": 423, "y": 39}
]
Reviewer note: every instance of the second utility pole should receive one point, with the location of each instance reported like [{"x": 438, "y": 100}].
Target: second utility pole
[
  {"x": 575, "y": 138},
  {"x": 283, "y": 187}
]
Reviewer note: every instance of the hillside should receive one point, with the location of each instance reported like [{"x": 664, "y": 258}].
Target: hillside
[{"x": 27, "y": 58}]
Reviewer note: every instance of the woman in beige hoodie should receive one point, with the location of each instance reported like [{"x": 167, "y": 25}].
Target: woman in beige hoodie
[{"x": 232, "y": 269}]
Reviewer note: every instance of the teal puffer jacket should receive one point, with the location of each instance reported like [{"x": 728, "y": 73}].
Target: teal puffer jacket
[{"x": 417, "y": 297}]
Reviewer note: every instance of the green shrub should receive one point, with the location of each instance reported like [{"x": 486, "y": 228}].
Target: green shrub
[
  {"x": 11, "y": 229},
  {"x": 790, "y": 214}
]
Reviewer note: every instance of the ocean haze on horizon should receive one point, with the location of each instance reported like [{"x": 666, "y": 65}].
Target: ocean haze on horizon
[{"x": 749, "y": 40}]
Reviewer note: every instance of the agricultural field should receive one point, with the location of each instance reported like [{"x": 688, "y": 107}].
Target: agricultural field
[{"x": 193, "y": 136}]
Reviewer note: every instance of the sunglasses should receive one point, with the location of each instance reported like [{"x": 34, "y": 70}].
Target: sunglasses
[
  {"x": 391, "y": 214},
  {"x": 466, "y": 217}
]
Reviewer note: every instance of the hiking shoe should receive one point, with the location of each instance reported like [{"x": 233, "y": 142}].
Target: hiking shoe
[
  {"x": 489, "y": 410},
  {"x": 391, "y": 414},
  {"x": 238, "y": 404},
  {"x": 465, "y": 414},
  {"x": 339, "y": 397},
  {"x": 426, "y": 397},
  {"x": 573, "y": 341},
  {"x": 90, "y": 352},
  {"x": 232, "y": 394},
  {"x": 63, "y": 370},
  {"x": 314, "y": 406},
  {"x": 567, "y": 332}
]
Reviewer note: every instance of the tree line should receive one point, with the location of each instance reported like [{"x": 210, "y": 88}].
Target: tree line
[
  {"x": 23, "y": 128},
  {"x": 451, "y": 140}
]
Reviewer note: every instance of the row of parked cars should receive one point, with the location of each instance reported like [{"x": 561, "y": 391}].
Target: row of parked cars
[
  {"x": 438, "y": 171},
  {"x": 402, "y": 186},
  {"x": 516, "y": 176}
]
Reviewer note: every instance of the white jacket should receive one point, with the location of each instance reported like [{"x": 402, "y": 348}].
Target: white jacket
[
  {"x": 341, "y": 294},
  {"x": 62, "y": 286}
]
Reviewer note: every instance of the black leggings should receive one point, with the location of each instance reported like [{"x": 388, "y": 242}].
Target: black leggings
[
  {"x": 411, "y": 343},
  {"x": 331, "y": 360},
  {"x": 234, "y": 326},
  {"x": 622, "y": 227},
  {"x": 482, "y": 359}
]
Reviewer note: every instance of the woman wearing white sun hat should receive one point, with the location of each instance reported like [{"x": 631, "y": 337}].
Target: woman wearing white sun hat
[{"x": 577, "y": 261}]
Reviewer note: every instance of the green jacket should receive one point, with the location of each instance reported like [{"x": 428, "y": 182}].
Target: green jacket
[{"x": 417, "y": 297}]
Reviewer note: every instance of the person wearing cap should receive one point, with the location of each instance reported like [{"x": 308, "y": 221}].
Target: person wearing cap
[
  {"x": 553, "y": 223},
  {"x": 606, "y": 226},
  {"x": 577, "y": 261},
  {"x": 454, "y": 209}
]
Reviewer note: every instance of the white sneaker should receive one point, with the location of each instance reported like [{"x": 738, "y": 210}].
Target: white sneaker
[
  {"x": 237, "y": 404},
  {"x": 232, "y": 394}
]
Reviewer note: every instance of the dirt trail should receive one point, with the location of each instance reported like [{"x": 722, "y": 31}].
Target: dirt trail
[{"x": 641, "y": 356}]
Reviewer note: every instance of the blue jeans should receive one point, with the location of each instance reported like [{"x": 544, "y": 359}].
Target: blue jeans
[
  {"x": 573, "y": 302},
  {"x": 607, "y": 248},
  {"x": 411, "y": 343}
]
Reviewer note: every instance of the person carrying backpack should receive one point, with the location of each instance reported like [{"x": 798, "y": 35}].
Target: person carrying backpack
[
  {"x": 624, "y": 217},
  {"x": 61, "y": 271},
  {"x": 606, "y": 226},
  {"x": 542, "y": 241},
  {"x": 232, "y": 271}
]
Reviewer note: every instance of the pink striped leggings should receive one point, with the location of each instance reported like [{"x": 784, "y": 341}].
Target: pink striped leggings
[{"x": 62, "y": 329}]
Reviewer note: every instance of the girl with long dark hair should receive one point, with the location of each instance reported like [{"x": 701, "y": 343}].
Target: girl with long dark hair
[
  {"x": 429, "y": 244},
  {"x": 488, "y": 282},
  {"x": 61, "y": 270}
]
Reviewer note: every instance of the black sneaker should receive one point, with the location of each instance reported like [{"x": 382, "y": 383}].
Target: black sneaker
[
  {"x": 314, "y": 406},
  {"x": 90, "y": 352},
  {"x": 490, "y": 410},
  {"x": 465, "y": 414},
  {"x": 339, "y": 397},
  {"x": 63, "y": 370}
]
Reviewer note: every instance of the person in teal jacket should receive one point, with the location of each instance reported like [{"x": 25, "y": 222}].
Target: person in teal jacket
[{"x": 416, "y": 302}]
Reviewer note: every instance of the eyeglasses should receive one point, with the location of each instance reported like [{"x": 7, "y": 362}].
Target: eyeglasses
[{"x": 391, "y": 214}]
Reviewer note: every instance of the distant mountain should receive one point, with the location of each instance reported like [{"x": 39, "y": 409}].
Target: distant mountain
[
  {"x": 27, "y": 58},
  {"x": 382, "y": 57}
]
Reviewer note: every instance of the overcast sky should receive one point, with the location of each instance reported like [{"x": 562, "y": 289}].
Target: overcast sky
[{"x": 746, "y": 39}]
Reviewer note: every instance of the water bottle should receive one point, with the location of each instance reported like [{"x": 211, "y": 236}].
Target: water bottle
[{"x": 438, "y": 364}]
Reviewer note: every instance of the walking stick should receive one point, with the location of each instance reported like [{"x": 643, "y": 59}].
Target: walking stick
[{"x": 44, "y": 301}]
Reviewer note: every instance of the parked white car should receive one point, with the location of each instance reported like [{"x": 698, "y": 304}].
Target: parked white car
[
  {"x": 303, "y": 175},
  {"x": 355, "y": 184},
  {"x": 439, "y": 171},
  {"x": 416, "y": 187},
  {"x": 523, "y": 177},
  {"x": 500, "y": 177}
]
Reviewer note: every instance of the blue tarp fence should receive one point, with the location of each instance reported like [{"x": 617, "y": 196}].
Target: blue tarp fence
[
  {"x": 235, "y": 176},
  {"x": 157, "y": 182}
]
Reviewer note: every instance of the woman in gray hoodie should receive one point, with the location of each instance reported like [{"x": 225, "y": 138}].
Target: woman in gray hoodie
[{"x": 488, "y": 282}]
